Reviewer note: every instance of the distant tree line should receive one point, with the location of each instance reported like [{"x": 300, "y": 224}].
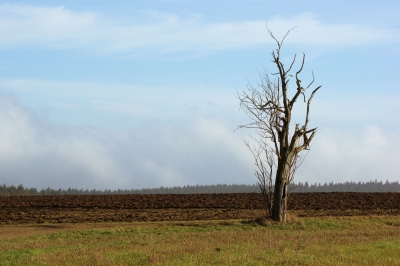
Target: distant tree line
[{"x": 371, "y": 186}]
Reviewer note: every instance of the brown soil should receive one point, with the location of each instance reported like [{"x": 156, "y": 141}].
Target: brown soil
[{"x": 188, "y": 207}]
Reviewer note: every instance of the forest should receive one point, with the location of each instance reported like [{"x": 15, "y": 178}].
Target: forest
[{"x": 371, "y": 186}]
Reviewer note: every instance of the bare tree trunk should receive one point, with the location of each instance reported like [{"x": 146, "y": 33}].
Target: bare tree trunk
[
  {"x": 270, "y": 113},
  {"x": 279, "y": 203}
]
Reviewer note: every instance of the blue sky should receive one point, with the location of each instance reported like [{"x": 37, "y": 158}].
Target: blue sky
[{"x": 132, "y": 94}]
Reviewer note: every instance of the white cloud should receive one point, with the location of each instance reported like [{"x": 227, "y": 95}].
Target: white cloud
[
  {"x": 38, "y": 154},
  {"x": 198, "y": 150},
  {"x": 45, "y": 26},
  {"x": 311, "y": 31},
  {"x": 119, "y": 99},
  {"x": 35, "y": 152},
  {"x": 353, "y": 110},
  {"x": 157, "y": 32},
  {"x": 165, "y": 175},
  {"x": 215, "y": 132},
  {"x": 172, "y": 101},
  {"x": 340, "y": 155}
]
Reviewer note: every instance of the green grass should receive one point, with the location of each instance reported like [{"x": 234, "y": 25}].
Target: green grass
[{"x": 308, "y": 241}]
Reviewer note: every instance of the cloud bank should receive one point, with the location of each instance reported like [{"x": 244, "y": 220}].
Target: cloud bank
[
  {"x": 39, "y": 154},
  {"x": 157, "y": 32},
  {"x": 369, "y": 153},
  {"x": 195, "y": 151}
]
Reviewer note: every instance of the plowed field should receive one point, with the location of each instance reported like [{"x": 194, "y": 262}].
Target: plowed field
[{"x": 185, "y": 207}]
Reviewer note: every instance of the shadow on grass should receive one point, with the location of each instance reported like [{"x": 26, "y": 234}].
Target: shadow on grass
[{"x": 265, "y": 221}]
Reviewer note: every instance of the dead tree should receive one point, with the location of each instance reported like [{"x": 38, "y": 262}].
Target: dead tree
[{"x": 277, "y": 152}]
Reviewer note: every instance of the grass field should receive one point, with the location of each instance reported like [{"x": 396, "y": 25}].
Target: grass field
[{"x": 371, "y": 240}]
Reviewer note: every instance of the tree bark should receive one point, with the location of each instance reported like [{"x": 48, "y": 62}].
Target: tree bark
[{"x": 279, "y": 203}]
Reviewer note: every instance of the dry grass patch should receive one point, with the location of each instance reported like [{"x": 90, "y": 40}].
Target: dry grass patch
[{"x": 302, "y": 241}]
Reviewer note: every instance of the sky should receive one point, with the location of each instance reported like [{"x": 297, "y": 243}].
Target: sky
[{"x": 140, "y": 94}]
